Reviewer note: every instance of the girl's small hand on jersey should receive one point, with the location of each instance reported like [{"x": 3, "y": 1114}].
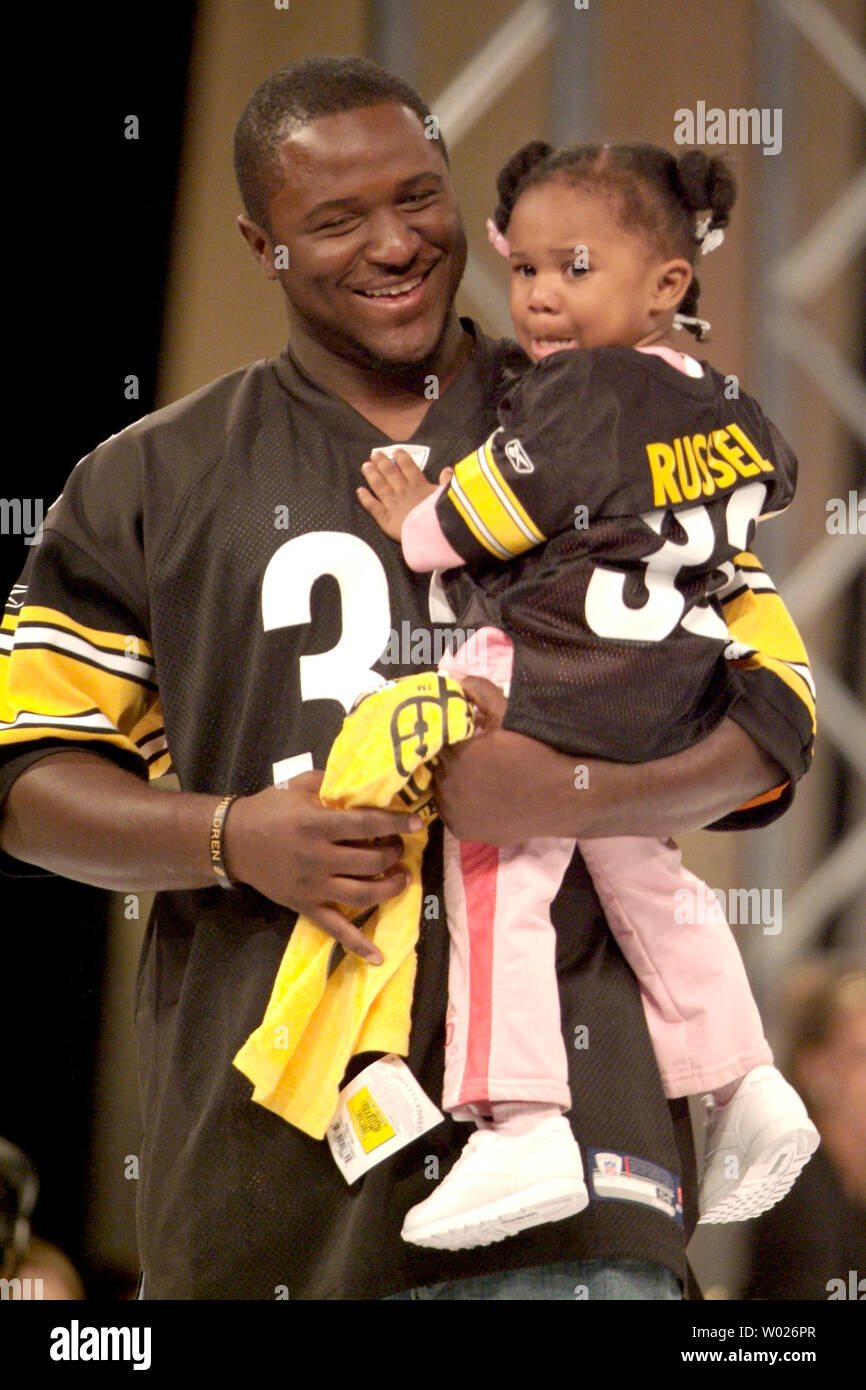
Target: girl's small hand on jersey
[
  {"x": 394, "y": 487},
  {"x": 305, "y": 856}
]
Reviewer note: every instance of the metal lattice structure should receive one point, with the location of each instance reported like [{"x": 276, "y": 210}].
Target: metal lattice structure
[
  {"x": 791, "y": 347},
  {"x": 787, "y": 343}
]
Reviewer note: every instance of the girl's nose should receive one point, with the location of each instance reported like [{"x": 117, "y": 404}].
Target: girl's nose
[{"x": 544, "y": 296}]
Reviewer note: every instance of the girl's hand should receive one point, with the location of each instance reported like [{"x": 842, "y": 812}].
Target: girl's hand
[{"x": 395, "y": 487}]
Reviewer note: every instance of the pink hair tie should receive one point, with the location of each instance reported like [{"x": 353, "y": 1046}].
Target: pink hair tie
[{"x": 497, "y": 239}]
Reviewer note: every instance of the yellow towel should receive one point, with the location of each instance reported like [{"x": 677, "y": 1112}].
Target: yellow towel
[{"x": 315, "y": 1023}]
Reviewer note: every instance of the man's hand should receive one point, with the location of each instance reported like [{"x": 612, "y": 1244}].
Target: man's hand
[
  {"x": 497, "y": 787},
  {"x": 303, "y": 855},
  {"x": 77, "y": 813},
  {"x": 504, "y": 788},
  {"x": 396, "y": 486},
  {"x": 488, "y": 701}
]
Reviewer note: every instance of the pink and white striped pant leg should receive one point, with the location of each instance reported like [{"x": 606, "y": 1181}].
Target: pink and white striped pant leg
[
  {"x": 702, "y": 1019},
  {"x": 504, "y": 1038}
]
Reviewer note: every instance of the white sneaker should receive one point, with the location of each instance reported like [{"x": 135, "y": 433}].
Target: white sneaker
[
  {"x": 755, "y": 1148},
  {"x": 501, "y": 1184}
]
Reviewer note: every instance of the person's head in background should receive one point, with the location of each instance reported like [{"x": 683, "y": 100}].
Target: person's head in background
[
  {"x": 31, "y": 1268},
  {"x": 350, "y": 207},
  {"x": 602, "y": 241},
  {"x": 824, "y": 1055}
]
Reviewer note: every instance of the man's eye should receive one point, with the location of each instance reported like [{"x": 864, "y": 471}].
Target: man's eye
[
  {"x": 339, "y": 224},
  {"x": 416, "y": 198}
]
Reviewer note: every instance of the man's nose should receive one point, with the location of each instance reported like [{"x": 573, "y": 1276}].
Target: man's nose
[{"x": 391, "y": 241}]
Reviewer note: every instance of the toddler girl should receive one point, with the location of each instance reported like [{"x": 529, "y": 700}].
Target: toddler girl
[{"x": 619, "y": 491}]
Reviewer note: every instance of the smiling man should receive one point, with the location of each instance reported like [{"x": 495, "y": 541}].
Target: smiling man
[
  {"x": 165, "y": 620},
  {"x": 373, "y": 262}
]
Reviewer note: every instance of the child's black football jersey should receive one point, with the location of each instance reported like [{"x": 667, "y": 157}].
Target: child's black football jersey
[{"x": 621, "y": 492}]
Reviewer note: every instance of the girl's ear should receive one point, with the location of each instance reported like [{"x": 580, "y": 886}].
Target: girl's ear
[{"x": 672, "y": 280}]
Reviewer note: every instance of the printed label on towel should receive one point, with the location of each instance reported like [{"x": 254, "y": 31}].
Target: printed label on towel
[
  {"x": 620, "y": 1177},
  {"x": 379, "y": 1112},
  {"x": 371, "y": 1124}
]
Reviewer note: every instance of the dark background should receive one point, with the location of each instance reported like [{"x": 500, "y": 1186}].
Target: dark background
[
  {"x": 88, "y": 268},
  {"x": 84, "y": 285}
]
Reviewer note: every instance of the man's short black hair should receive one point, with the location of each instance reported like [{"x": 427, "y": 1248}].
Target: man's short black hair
[{"x": 292, "y": 97}]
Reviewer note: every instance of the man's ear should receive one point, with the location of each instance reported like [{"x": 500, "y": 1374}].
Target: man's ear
[
  {"x": 260, "y": 245},
  {"x": 673, "y": 279}
]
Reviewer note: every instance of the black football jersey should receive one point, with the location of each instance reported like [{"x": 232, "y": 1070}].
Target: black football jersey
[
  {"x": 621, "y": 491},
  {"x": 210, "y": 596}
]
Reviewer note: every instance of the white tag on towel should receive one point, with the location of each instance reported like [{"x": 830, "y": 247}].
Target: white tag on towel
[{"x": 379, "y": 1112}]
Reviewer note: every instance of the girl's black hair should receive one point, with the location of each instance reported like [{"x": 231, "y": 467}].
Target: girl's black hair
[{"x": 655, "y": 192}]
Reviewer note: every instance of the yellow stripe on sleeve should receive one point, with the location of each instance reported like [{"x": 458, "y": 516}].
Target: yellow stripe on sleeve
[
  {"x": 792, "y": 679},
  {"x": 123, "y": 643},
  {"x": 490, "y": 509},
  {"x": 762, "y": 621},
  {"x": 149, "y": 737},
  {"x": 759, "y": 620},
  {"x": 60, "y": 679}
]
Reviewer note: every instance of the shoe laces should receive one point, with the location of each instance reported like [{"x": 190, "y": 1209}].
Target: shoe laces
[{"x": 475, "y": 1141}]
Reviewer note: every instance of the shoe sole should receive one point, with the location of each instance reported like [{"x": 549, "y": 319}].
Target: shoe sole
[
  {"x": 768, "y": 1177},
  {"x": 553, "y": 1200}
]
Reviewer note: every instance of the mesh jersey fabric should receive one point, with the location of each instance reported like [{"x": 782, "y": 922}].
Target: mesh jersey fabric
[
  {"x": 629, "y": 489},
  {"x": 219, "y": 542}
]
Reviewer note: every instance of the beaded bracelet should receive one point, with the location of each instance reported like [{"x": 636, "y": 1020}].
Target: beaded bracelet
[{"x": 217, "y": 836}]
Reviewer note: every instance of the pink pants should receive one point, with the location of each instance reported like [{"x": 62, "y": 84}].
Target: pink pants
[{"x": 504, "y": 1038}]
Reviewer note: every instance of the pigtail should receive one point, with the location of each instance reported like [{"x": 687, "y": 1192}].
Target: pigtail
[
  {"x": 689, "y": 301},
  {"x": 707, "y": 183},
  {"x": 512, "y": 175}
]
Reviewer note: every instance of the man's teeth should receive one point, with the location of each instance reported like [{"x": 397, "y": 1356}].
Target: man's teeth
[
  {"x": 392, "y": 290},
  {"x": 553, "y": 342}
]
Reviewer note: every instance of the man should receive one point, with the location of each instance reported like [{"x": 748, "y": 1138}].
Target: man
[{"x": 209, "y": 593}]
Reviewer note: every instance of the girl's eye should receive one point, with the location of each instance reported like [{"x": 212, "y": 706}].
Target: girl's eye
[
  {"x": 524, "y": 272},
  {"x": 575, "y": 270}
]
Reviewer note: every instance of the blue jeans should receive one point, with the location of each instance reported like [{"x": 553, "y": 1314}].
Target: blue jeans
[{"x": 574, "y": 1280}]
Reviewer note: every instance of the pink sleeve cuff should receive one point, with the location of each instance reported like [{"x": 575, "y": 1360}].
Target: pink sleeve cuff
[{"x": 425, "y": 546}]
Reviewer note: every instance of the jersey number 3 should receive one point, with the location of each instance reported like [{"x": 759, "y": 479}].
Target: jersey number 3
[{"x": 342, "y": 672}]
